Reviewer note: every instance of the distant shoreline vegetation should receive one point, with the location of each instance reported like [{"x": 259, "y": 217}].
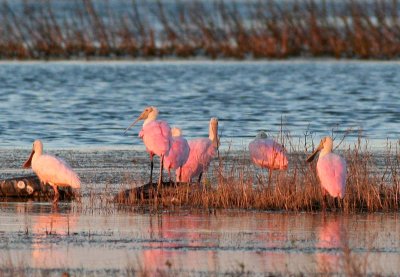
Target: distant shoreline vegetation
[{"x": 219, "y": 29}]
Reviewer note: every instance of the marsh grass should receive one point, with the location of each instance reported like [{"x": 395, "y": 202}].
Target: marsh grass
[
  {"x": 233, "y": 182},
  {"x": 214, "y": 29}
]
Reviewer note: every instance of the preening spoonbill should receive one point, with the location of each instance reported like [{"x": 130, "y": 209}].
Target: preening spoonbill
[
  {"x": 178, "y": 153},
  {"x": 267, "y": 153},
  {"x": 156, "y": 135},
  {"x": 51, "y": 170},
  {"x": 202, "y": 150},
  {"x": 331, "y": 168}
]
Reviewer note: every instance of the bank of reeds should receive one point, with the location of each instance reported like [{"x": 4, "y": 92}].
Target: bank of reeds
[
  {"x": 232, "y": 182},
  {"x": 214, "y": 29}
]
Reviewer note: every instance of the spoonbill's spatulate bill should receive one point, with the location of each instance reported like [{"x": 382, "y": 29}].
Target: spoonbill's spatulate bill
[
  {"x": 331, "y": 168},
  {"x": 267, "y": 153},
  {"x": 156, "y": 135},
  {"x": 51, "y": 170},
  {"x": 202, "y": 151},
  {"x": 178, "y": 153}
]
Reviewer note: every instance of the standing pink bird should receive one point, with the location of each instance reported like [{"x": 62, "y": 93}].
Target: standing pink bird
[
  {"x": 51, "y": 170},
  {"x": 178, "y": 153},
  {"x": 156, "y": 135},
  {"x": 331, "y": 168},
  {"x": 267, "y": 153},
  {"x": 202, "y": 151}
]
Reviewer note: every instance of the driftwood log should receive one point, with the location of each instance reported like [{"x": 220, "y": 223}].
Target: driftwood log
[{"x": 30, "y": 187}]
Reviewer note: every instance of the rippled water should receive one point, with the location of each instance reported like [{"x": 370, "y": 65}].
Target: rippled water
[
  {"x": 40, "y": 238},
  {"x": 80, "y": 104},
  {"x": 88, "y": 105}
]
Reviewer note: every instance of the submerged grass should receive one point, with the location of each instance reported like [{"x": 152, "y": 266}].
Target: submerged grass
[
  {"x": 214, "y": 29},
  {"x": 232, "y": 182}
]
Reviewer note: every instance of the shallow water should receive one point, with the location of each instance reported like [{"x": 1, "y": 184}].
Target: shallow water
[
  {"x": 99, "y": 238},
  {"x": 79, "y": 104},
  {"x": 37, "y": 237}
]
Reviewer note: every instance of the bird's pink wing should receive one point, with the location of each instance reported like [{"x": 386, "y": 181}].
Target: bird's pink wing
[
  {"x": 332, "y": 172},
  {"x": 54, "y": 170},
  {"x": 157, "y": 137},
  {"x": 267, "y": 153},
  {"x": 199, "y": 158},
  {"x": 178, "y": 153}
]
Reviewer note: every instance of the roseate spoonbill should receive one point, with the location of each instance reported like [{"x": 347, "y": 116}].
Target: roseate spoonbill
[
  {"x": 178, "y": 153},
  {"x": 51, "y": 170},
  {"x": 156, "y": 135},
  {"x": 331, "y": 168},
  {"x": 267, "y": 153},
  {"x": 202, "y": 150}
]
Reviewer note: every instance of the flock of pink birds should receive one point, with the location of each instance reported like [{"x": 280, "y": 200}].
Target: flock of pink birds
[{"x": 190, "y": 159}]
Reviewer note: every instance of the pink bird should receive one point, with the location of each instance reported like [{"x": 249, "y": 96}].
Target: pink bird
[
  {"x": 51, "y": 170},
  {"x": 156, "y": 135},
  {"x": 202, "y": 151},
  {"x": 178, "y": 153},
  {"x": 267, "y": 153},
  {"x": 331, "y": 168}
]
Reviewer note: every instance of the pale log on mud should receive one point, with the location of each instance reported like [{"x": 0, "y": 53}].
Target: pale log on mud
[{"x": 30, "y": 187}]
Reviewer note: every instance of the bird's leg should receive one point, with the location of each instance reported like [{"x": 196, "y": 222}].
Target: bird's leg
[
  {"x": 269, "y": 177},
  {"x": 337, "y": 203},
  {"x": 56, "y": 194},
  {"x": 151, "y": 168},
  {"x": 199, "y": 181},
  {"x": 169, "y": 176},
  {"x": 324, "y": 200},
  {"x": 161, "y": 171},
  {"x": 180, "y": 174}
]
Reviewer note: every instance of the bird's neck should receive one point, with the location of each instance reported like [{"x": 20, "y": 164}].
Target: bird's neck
[
  {"x": 147, "y": 121},
  {"x": 324, "y": 152},
  {"x": 35, "y": 156},
  {"x": 213, "y": 136}
]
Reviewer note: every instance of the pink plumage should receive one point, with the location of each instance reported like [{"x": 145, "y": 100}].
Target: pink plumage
[
  {"x": 156, "y": 136},
  {"x": 202, "y": 151},
  {"x": 179, "y": 151},
  {"x": 267, "y": 153},
  {"x": 331, "y": 170}
]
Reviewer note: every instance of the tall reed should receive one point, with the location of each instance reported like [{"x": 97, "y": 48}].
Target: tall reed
[
  {"x": 215, "y": 29},
  {"x": 233, "y": 182}
]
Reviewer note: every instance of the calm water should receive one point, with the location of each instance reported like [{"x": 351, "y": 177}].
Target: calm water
[
  {"x": 111, "y": 241},
  {"x": 79, "y": 104}
]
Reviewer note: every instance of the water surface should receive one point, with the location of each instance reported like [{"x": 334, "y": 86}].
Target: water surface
[
  {"x": 39, "y": 237},
  {"x": 79, "y": 104}
]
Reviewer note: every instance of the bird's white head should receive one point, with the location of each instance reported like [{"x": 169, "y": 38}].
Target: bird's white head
[
  {"x": 176, "y": 132},
  {"x": 261, "y": 135},
  {"x": 325, "y": 146},
  {"x": 213, "y": 132},
  {"x": 37, "y": 149},
  {"x": 149, "y": 114}
]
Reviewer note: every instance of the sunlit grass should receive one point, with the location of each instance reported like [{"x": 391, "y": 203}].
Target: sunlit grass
[
  {"x": 233, "y": 182},
  {"x": 214, "y": 29}
]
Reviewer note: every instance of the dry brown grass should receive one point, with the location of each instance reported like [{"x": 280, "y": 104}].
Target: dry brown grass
[
  {"x": 216, "y": 29},
  {"x": 234, "y": 183}
]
